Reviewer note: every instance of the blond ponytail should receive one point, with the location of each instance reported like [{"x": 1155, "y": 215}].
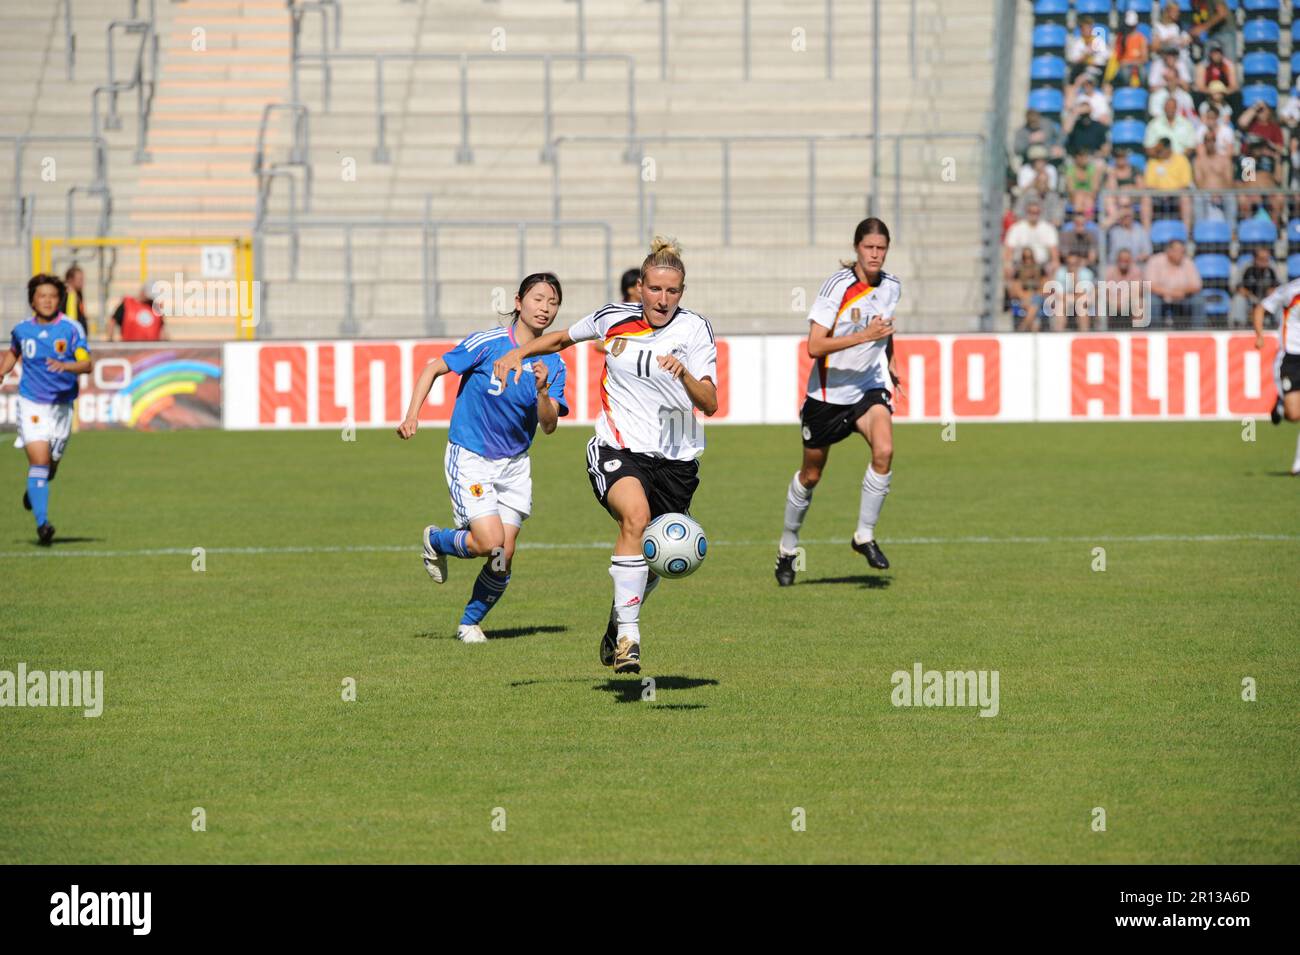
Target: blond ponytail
[{"x": 665, "y": 253}]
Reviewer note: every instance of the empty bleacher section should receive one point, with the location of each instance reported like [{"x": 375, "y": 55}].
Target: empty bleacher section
[{"x": 750, "y": 145}]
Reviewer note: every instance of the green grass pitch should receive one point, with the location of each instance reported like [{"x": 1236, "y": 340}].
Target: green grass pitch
[{"x": 1119, "y": 689}]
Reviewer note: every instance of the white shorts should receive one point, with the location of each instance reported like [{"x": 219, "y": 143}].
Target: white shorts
[
  {"x": 50, "y": 423},
  {"x": 481, "y": 486}
]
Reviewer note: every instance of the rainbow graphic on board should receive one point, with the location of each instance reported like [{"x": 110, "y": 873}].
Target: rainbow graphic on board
[{"x": 159, "y": 378}]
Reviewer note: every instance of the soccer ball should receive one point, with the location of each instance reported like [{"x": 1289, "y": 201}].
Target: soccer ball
[{"x": 674, "y": 545}]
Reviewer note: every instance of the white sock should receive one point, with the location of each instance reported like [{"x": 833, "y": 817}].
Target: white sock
[
  {"x": 797, "y": 499},
  {"x": 1295, "y": 465},
  {"x": 874, "y": 488},
  {"x": 630, "y": 578}
]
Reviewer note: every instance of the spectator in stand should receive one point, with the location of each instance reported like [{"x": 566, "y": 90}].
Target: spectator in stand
[
  {"x": 1123, "y": 175},
  {"x": 1213, "y": 25},
  {"x": 1213, "y": 121},
  {"x": 1040, "y": 132},
  {"x": 1085, "y": 90},
  {"x": 1257, "y": 280},
  {"x": 1025, "y": 289},
  {"x": 137, "y": 319},
  {"x": 1169, "y": 171},
  {"x": 1084, "y": 132},
  {"x": 73, "y": 303},
  {"x": 1169, "y": 64},
  {"x": 1079, "y": 237},
  {"x": 1167, "y": 31},
  {"x": 1213, "y": 171},
  {"x": 1175, "y": 89},
  {"x": 1047, "y": 199},
  {"x": 1086, "y": 49},
  {"x": 630, "y": 285},
  {"x": 1128, "y": 60},
  {"x": 1075, "y": 295},
  {"x": 1033, "y": 233},
  {"x": 1127, "y": 235},
  {"x": 1289, "y": 112},
  {"x": 1083, "y": 180},
  {"x": 1169, "y": 125},
  {"x": 1175, "y": 288},
  {"x": 1265, "y": 146},
  {"x": 1037, "y": 166},
  {"x": 1124, "y": 305},
  {"x": 1216, "y": 68}
]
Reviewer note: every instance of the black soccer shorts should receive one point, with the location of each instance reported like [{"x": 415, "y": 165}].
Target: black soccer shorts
[
  {"x": 669, "y": 485},
  {"x": 1290, "y": 373},
  {"x": 825, "y": 424}
]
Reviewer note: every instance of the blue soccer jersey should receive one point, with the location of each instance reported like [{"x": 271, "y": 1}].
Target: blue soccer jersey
[
  {"x": 34, "y": 341},
  {"x": 494, "y": 419}
]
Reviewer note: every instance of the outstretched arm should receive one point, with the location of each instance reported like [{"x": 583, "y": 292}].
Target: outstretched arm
[
  {"x": 513, "y": 360},
  {"x": 431, "y": 373}
]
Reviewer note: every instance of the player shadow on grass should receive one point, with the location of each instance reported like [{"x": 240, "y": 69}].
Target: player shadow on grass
[
  {"x": 508, "y": 634},
  {"x": 629, "y": 690},
  {"x": 868, "y": 581},
  {"x": 59, "y": 541}
]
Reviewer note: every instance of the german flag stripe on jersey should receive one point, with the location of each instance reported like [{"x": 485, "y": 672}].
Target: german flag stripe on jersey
[
  {"x": 852, "y": 295},
  {"x": 609, "y": 413},
  {"x": 629, "y": 328}
]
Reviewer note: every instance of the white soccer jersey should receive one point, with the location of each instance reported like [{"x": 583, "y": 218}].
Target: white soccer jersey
[
  {"x": 844, "y": 305},
  {"x": 1284, "y": 302},
  {"x": 643, "y": 408}
]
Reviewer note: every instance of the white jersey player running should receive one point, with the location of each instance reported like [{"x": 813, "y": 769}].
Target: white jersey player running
[
  {"x": 1284, "y": 303},
  {"x": 850, "y": 329},
  {"x": 660, "y": 368}
]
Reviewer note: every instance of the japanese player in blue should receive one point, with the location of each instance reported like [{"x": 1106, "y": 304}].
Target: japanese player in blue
[
  {"x": 53, "y": 351},
  {"x": 492, "y": 428}
]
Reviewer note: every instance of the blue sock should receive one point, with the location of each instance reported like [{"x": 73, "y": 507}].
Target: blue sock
[
  {"x": 488, "y": 588},
  {"x": 451, "y": 542},
  {"x": 38, "y": 492}
]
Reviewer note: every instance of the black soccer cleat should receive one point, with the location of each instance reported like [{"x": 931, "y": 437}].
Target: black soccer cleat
[
  {"x": 1274, "y": 416},
  {"x": 45, "y": 534},
  {"x": 27, "y": 502},
  {"x": 608, "y": 643},
  {"x": 784, "y": 569},
  {"x": 872, "y": 552}
]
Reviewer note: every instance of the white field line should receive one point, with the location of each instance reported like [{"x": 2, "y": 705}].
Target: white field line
[{"x": 605, "y": 545}]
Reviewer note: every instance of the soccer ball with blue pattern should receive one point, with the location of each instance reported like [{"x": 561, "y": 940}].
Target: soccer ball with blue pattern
[{"x": 674, "y": 545}]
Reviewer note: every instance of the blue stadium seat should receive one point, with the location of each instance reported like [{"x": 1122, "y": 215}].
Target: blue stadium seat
[
  {"x": 1244, "y": 261},
  {"x": 1256, "y": 92},
  {"x": 1051, "y": 11},
  {"x": 1092, "y": 8},
  {"x": 1215, "y": 269},
  {"x": 1049, "y": 38},
  {"x": 1129, "y": 102},
  {"x": 1047, "y": 101},
  {"x": 1138, "y": 160},
  {"x": 1295, "y": 57},
  {"x": 1140, "y": 7},
  {"x": 1293, "y": 233},
  {"x": 1254, "y": 232},
  {"x": 1260, "y": 35},
  {"x": 1295, "y": 32},
  {"x": 1128, "y": 132},
  {"x": 1184, "y": 7},
  {"x": 1145, "y": 29},
  {"x": 1262, "y": 8},
  {"x": 1164, "y": 231},
  {"x": 1212, "y": 236},
  {"x": 1293, "y": 266},
  {"x": 1260, "y": 66},
  {"x": 1216, "y": 302},
  {"x": 1046, "y": 70}
]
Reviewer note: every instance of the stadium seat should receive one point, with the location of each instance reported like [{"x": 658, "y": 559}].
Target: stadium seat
[
  {"x": 1295, "y": 60},
  {"x": 1138, "y": 160},
  {"x": 1293, "y": 266},
  {"x": 1255, "y": 232},
  {"x": 1128, "y": 132},
  {"x": 1049, "y": 38},
  {"x": 1145, "y": 29},
  {"x": 1092, "y": 8},
  {"x": 1051, "y": 11},
  {"x": 1260, "y": 35},
  {"x": 1046, "y": 70},
  {"x": 1216, "y": 303},
  {"x": 1295, "y": 32},
  {"x": 1252, "y": 94},
  {"x": 1164, "y": 231},
  {"x": 1140, "y": 7},
  {"x": 1260, "y": 66},
  {"x": 1215, "y": 270},
  {"x": 1262, "y": 8},
  {"x": 1244, "y": 261},
  {"x": 1129, "y": 102},
  {"x": 1212, "y": 236},
  {"x": 1047, "y": 101},
  {"x": 1293, "y": 233}
]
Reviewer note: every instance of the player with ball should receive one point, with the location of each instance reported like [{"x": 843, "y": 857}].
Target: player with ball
[{"x": 660, "y": 367}]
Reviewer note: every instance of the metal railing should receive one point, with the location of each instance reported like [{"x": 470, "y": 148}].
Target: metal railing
[
  {"x": 69, "y": 42},
  {"x": 992, "y": 182},
  {"x": 464, "y": 154},
  {"x": 746, "y": 39},
  {"x": 430, "y": 230},
  {"x": 298, "y": 9},
  {"x": 299, "y": 158},
  {"x": 105, "y": 198},
  {"x": 99, "y": 145},
  {"x": 726, "y": 142},
  {"x": 142, "y": 81}
]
